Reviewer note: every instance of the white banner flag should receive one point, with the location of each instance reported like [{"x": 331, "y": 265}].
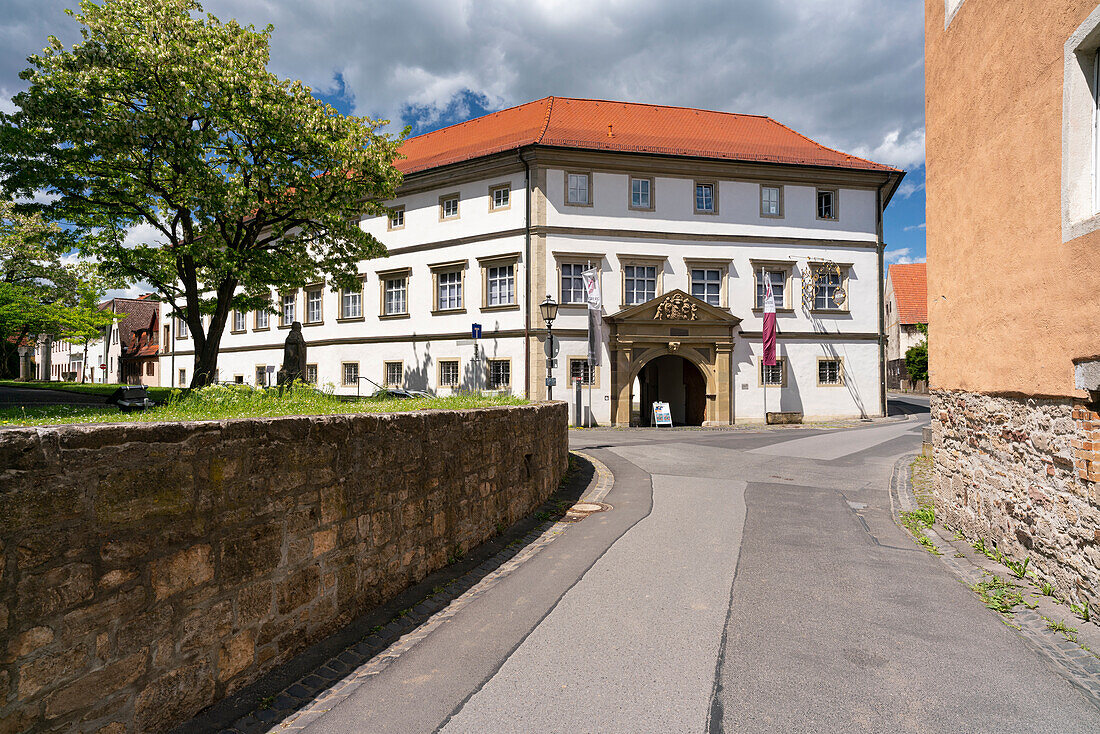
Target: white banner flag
[{"x": 595, "y": 315}]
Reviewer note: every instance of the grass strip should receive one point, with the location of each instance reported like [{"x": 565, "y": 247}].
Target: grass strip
[{"x": 219, "y": 402}]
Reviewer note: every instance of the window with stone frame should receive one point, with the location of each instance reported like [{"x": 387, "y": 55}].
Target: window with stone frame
[
  {"x": 705, "y": 201},
  {"x": 287, "y": 313},
  {"x": 311, "y": 374},
  {"x": 395, "y": 301},
  {"x": 262, "y": 318},
  {"x": 578, "y": 187},
  {"x": 261, "y": 375},
  {"x": 1080, "y": 185},
  {"x": 314, "y": 301},
  {"x": 500, "y": 374},
  {"x": 448, "y": 207},
  {"x": 580, "y": 369},
  {"x": 350, "y": 373},
  {"x": 826, "y": 287},
  {"x": 183, "y": 378},
  {"x": 572, "y": 284},
  {"x": 639, "y": 284},
  {"x": 351, "y": 303},
  {"x": 181, "y": 329},
  {"x": 238, "y": 321},
  {"x": 771, "y": 201},
  {"x": 706, "y": 285},
  {"x": 778, "y": 279},
  {"x": 500, "y": 198},
  {"x": 449, "y": 293},
  {"x": 500, "y": 283},
  {"x": 397, "y": 217},
  {"x": 448, "y": 373},
  {"x": 641, "y": 193},
  {"x": 826, "y": 204},
  {"x": 773, "y": 375},
  {"x": 395, "y": 372},
  {"x": 829, "y": 372}
]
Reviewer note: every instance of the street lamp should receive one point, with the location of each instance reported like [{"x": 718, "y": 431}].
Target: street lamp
[{"x": 549, "y": 309}]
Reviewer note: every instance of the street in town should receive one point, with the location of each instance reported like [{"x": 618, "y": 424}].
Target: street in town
[{"x": 743, "y": 580}]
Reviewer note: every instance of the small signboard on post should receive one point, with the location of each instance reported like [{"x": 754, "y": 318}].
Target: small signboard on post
[
  {"x": 475, "y": 331},
  {"x": 662, "y": 416}
]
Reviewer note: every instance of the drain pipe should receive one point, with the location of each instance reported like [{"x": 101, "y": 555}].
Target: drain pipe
[
  {"x": 881, "y": 296},
  {"x": 527, "y": 279}
]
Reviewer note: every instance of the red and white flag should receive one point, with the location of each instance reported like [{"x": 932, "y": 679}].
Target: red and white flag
[{"x": 769, "y": 322}]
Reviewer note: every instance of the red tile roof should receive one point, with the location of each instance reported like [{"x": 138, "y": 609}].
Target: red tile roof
[
  {"x": 624, "y": 126},
  {"x": 911, "y": 292}
]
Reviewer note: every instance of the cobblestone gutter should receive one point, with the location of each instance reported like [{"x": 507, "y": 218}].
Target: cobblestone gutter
[{"x": 1023, "y": 474}]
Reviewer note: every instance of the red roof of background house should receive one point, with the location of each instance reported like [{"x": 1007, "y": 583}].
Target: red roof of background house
[
  {"x": 138, "y": 329},
  {"x": 623, "y": 126},
  {"x": 911, "y": 292}
]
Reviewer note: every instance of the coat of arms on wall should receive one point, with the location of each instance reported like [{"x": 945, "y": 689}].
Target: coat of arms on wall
[{"x": 676, "y": 307}]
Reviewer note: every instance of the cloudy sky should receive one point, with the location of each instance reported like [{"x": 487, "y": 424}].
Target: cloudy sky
[{"x": 848, "y": 73}]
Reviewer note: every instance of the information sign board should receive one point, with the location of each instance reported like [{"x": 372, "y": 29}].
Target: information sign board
[{"x": 662, "y": 416}]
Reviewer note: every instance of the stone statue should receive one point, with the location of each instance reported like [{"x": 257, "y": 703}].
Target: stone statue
[{"x": 294, "y": 356}]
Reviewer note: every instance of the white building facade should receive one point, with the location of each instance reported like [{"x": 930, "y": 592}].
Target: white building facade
[{"x": 683, "y": 212}]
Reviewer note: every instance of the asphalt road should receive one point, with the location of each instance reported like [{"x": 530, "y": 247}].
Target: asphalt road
[
  {"x": 27, "y": 396},
  {"x": 744, "y": 581}
]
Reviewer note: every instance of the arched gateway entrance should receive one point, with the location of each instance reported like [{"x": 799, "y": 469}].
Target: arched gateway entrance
[
  {"x": 674, "y": 380},
  {"x": 677, "y": 349}
]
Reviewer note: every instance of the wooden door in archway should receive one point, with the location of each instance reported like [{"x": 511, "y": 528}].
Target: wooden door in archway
[{"x": 695, "y": 394}]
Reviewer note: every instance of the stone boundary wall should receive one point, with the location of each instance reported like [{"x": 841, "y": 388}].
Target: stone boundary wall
[
  {"x": 1023, "y": 474},
  {"x": 148, "y": 570}
]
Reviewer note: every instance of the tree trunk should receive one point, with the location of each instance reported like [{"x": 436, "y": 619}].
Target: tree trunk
[
  {"x": 206, "y": 365},
  {"x": 84, "y": 363},
  {"x": 206, "y": 349}
]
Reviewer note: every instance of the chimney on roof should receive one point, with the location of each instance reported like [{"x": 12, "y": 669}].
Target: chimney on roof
[{"x": 610, "y": 132}]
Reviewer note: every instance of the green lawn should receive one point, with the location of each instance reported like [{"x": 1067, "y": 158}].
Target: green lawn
[
  {"x": 222, "y": 401},
  {"x": 159, "y": 394}
]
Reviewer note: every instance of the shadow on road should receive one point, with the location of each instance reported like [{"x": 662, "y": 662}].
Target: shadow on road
[
  {"x": 899, "y": 405},
  {"x": 281, "y": 693}
]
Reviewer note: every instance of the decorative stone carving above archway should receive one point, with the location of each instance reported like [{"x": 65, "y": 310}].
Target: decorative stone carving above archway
[{"x": 673, "y": 323}]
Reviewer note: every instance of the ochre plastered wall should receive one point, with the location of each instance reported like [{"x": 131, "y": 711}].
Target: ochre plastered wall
[{"x": 1010, "y": 304}]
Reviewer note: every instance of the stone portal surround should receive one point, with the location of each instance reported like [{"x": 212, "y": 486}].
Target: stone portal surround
[
  {"x": 149, "y": 570},
  {"x": 1024, "y": 474}
]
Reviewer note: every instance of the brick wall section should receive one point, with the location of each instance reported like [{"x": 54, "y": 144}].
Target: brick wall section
[
  {"x": 1086, "y": 449},
  {"x": 150, "y": 569},
  {"x": 1023, "y": 473}
]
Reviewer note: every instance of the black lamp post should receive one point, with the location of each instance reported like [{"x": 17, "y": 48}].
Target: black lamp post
[{"x": 549, "y": 309}]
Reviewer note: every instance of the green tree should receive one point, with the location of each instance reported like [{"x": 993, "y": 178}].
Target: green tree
[
  {"x": 916, "y": 357},
  {"x": 90, "y": 287},
  {"x": 39, "y": 292},
  {"x": 165, "y": 117}
]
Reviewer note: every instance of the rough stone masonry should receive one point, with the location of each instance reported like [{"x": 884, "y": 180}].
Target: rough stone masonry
[
  {"x": 147, "y": 570},
  {"x": 1024, "y": 476}
]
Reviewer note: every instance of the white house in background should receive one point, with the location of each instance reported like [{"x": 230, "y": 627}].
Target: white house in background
[
  {"x": 906, "y": 311},
  {"x": 683, "y": 211}
]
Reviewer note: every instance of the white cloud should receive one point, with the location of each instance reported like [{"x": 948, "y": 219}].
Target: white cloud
[
  {"x": 897, "y": 150},
  {"x": 912, "y": 228},
  {"x": 848, "y": 73},
  {"x": 899, "y": 256},
  {"x": 908, "y": 188},
  {"x": 142, "y": 234},
  {"x": 135, "y": 291}
]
